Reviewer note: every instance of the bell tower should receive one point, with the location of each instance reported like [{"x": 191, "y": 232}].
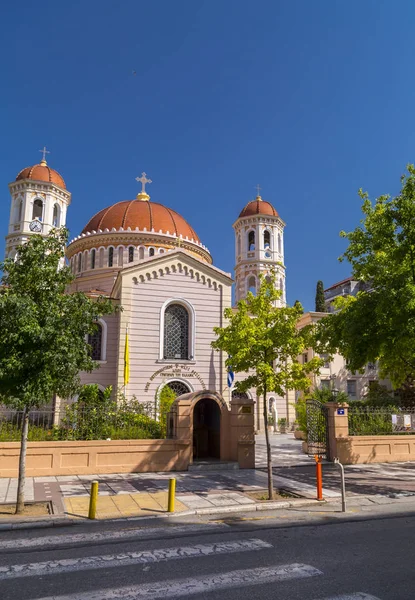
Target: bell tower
[
  {"x": 39, "y": 201},
  {"x": 259, "y": 247}
]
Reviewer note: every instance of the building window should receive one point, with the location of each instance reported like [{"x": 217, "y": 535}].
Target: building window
[
  {"x": 18, "y": 211},
  {"x": 151, "y": 252},
  {"x": 56, "y": 221},
  {"x": 279, "y": 243},
  {"x": 267, "y": 239},
  {"x": 178, "y": 387},
  {"x": 37, "y": 209},
  {"x": 95, "y": 341},
  {"x": 176, "y": 332},
  {"x": 239, "y": 244},
  {"x": 79, "y": 262},
  {"x": 351, "y": 388},
  {"x": 251, "y": 240},
  {"x": 101, "y": 257},
  {"x": 131, "y": 254},
  {"x": 92, "y": 259},
  {"x": 325, "y": 384},
  {"x": 325, "y": 357},
  {"x": 252, "y": 285},
  {"x": 305, "y": 358},
  {"x": 110, "y": 257}
]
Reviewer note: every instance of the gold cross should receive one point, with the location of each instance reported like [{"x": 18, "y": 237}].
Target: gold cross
[
  {"x": 143, "y": 180},
  {"x": 179, "y": 242},
  {"x": 44, "y": 153},
  {"x": 258, "y": 187}
]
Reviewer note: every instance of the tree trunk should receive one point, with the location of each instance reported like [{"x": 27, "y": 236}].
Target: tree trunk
[
  {"x": 267, "y": 442},
  {"x": 22, "y": 463}
]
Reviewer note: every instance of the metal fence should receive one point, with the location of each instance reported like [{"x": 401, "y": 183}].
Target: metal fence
[
  {"x": 75, "y": 422},
  {"x": 381, "y": 421}
]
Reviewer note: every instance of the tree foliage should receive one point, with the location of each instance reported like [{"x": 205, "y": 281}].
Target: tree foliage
[
  {"x": 43, "y": 342},
  {"x": 320, "y": 305},
  {"x": 262, "y": 342},
  {"x": 378, "y": 324}
]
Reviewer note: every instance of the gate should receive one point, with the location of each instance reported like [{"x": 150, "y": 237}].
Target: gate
[{"x": 317, "y": 429}]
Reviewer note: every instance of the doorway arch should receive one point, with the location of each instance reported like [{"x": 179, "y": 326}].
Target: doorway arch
[{"x": 206, "y": 430}]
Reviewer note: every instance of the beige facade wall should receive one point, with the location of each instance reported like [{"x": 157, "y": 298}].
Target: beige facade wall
[
  {"x": 375, "y": 449},
  {"x": 144, "y": 292},
  {"x": 88, "y": 458}
]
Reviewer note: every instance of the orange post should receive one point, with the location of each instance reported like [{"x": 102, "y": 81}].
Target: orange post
[{"x": 319, "y": 477}]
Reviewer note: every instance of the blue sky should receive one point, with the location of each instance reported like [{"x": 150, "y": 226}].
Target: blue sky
[{"x": 311, "y": 100}]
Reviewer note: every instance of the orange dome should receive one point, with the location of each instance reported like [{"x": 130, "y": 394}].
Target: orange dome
[
  {"x": 258, "y": 207},
  {"x": 141, "y": 214},
  {"x": 42, "y": 172}
]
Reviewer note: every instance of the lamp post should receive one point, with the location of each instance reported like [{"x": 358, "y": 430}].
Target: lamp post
[{"x": 335, "y": 392}]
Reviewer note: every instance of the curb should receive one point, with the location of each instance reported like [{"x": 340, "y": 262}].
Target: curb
[{"x": 59, "y": 521}]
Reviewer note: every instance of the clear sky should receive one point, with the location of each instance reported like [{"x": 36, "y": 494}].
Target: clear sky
[{"x": 311, "y": 99}]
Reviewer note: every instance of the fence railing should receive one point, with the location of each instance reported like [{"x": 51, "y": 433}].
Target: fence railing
[
  {"x": 77, "y": 423},
  {"x": 381, "y": 421}
]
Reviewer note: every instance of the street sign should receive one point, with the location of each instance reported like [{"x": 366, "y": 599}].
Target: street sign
[{"x": 340, "y": 411}]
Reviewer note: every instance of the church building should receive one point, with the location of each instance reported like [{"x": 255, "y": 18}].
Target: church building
[{"x": 149, "y": 260}]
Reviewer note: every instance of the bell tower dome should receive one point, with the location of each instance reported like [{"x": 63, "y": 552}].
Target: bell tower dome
[
  {"x": 39, "y": 201},
  {"x": 259, "y": 247}
]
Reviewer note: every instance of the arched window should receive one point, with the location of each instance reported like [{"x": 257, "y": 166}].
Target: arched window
[
  {"x": 37, "y": 209},
  {"x": 79, "y": 262},
  {"x": 251, "y": 240},
  {"x": 120, "y": 256},
  {"x": 178, "y": 387},
  {"x": 18, "y": 211},
  {"x": 252, "y": 285},
  {"x": 279, "y": 243},
  {"x": 93, "y": 259},
  {"x": 239, "y": 244},
  {"x": 95, "y": 341},
  {"x": 141, "y": 253},
  {"x": 131, "y": 254},
  {"x": 161, "y": 251},
  {"x": 56, "y": 221},
  {"x": 176, "y": 332},
  {"x": 151, "y": 252},
  {"x": 267, "y": 239},
  {"x": 85, "y": 262},
  {"x": 101, "y": 257},
  {"x": 110, "y": 256}
]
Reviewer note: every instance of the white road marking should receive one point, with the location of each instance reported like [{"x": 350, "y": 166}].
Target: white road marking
[
  {"x": 355, "y": 596},
  {"x": 197, "y": 585},
  {"x": 66, "y": 565},
  {"x": 108, "y": 536}
]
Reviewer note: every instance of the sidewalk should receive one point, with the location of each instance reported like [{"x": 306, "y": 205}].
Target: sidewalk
[{"x": 145, "y": 494}]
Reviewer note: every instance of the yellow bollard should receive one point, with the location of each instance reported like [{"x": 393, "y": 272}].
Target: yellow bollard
[
  {"x": 172, "y": 493},
  {"x": 93, "y": 497}
]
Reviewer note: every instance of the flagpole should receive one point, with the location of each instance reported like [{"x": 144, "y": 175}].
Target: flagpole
[{"x": 126, "y": 362}]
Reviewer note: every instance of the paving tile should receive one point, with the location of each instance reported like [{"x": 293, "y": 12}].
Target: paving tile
[{"x": 220, "y": 499}]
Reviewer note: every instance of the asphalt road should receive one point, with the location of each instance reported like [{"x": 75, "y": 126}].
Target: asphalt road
[{"x": 247, "y": 560}]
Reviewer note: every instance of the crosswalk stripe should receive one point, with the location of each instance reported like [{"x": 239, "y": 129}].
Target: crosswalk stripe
[
  {"x": 198, "y": 585},
  {"x": 355, "y": 596},
  {"x": 108, "y": 536},
  {"x": 66, "y": 565}
]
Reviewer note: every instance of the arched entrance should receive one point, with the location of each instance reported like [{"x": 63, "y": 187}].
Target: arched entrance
[{"x": 206, "y": 429}]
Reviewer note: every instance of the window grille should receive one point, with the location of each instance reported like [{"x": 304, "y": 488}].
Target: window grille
[
  {"x": 110, "y": 257},
  {"x": 92, "y": 259},
  {"x": 178, "y": 387},
  {"x": 176, "y": 332},
  {"x": 131, "y": 254},
  {"x": 95, "y": 341}
]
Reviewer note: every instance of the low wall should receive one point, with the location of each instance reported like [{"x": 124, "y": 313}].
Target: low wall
[
  {"x": 88, "y": 458},
  {"x": 365, "y": 449}
]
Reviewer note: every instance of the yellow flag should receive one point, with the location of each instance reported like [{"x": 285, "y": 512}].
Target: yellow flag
[{"x": 126, "y": 361}]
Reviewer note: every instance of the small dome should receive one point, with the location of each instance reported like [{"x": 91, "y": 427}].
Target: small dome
[
  {"x": 258, "y": 207},
  {"x": 42, "y": 172},
  {"x": 141, "y": 214}
]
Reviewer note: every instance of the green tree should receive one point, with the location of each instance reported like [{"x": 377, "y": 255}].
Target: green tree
[
  {"x": 320, "y": 302},
  {"x": 166, "y": 399},
  {"x": 263, "y": 342},
  {"x": 378, "y": 324},
  {"x": 298, "y": 304},
  {"x": 43, "y": 343}
]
